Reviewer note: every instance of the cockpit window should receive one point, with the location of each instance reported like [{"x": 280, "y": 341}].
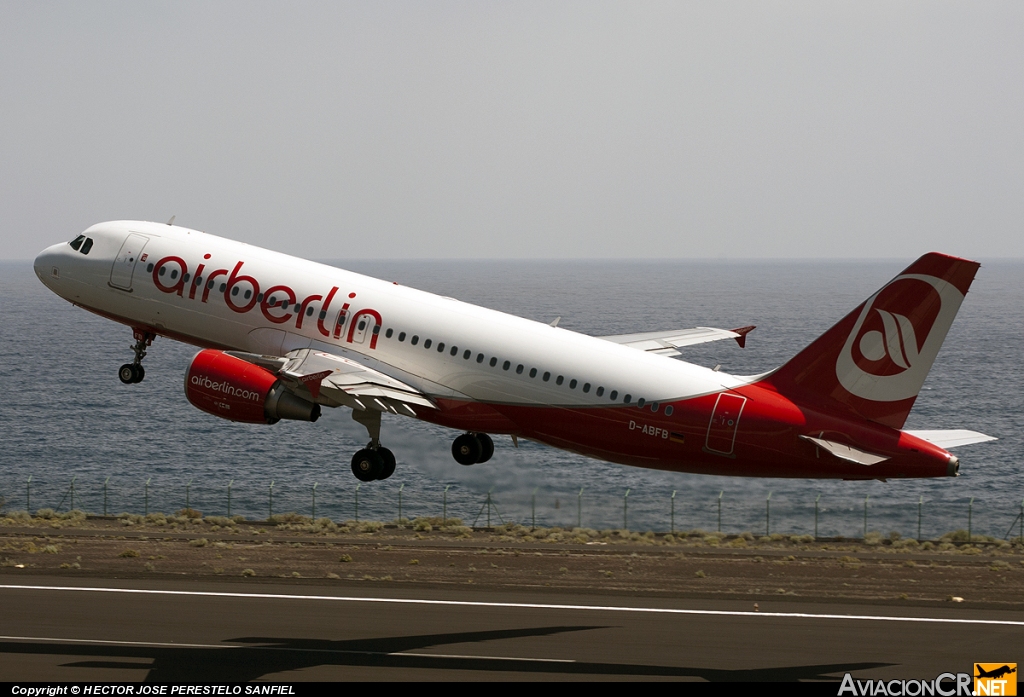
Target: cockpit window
[
  {"x": 87, "y": 245},
  {"x": 77, "y": 242}
]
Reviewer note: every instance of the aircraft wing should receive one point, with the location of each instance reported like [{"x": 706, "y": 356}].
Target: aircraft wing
[
  {"x": 341, "y": 381},
  {"x": 952, "y": 438},
  {"x": 666, "y": 343}
]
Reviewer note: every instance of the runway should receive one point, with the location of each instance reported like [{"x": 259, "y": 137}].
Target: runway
[{"x": 198, "y": 632}]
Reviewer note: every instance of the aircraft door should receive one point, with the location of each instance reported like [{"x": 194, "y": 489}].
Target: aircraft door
[
  {"x": 725, "y": 419},
  {"x": 124, "y": 264},
  {"x": 363, "y": 325}
]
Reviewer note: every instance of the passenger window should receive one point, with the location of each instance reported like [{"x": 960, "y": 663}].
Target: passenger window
[
  {"x": 627, "y": 399},
  {"x": 210, "y": 284},
  {"x": 149, "y": 269},
  {"x": 600, "y": 391},
  {"x": 572, "y": 384},
  {"x": 669, "y": 410},
  {"x": 248, "y": 293},
  {"x": 641, "y": 402},
  {"x": 309, "y": 311},
  {"x": 163, "y": 270},
  {"x": 533, "y": 372},
  {"x": 426, "y": 344},
  {"x": 77, "y": 243},
  {"x": 614, "y": 395},
  {"x": 198, "y": 281},
  {"x": 224, "y": 287},
  {"x": 547, "y": 376},
  {"x": 362, "y": 326},
  {"x": 454, "y": 351},
  {"x": 401, "y": 336},
  {"x": 506, "y": 365},
  {"x": 559, "y": 380},
  {"x": 184, "y": 279},
  {"x": 466, "y": 355},
  {"x": 479, "y": 358},
  {"x": 414, "y": 340},
  {"x": 654, "y": 407},
  {"x": 440, "y": 347},
  {"x": 234, "y": 291},
  {"x": 323, "y": 314},
  {"x": 494, "y": 361},
  {"x": 174, "y": 272},
  {"x": 376, "y": 327},
  {"x": 389, "y": 333},
  {"x": 519, "y": 369}
]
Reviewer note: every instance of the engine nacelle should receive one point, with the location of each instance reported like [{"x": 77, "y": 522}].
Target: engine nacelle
[{"x": 237, "y": 390}]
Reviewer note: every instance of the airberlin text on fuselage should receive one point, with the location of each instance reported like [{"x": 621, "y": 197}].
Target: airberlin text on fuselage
[
  {"x": 225, "y": 387},
  {"x": 269, "y": 300}
]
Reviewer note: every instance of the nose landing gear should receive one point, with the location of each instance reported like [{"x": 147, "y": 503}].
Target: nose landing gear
[
  {"x": 472, "y": 448},
  {"x": 133, "y": 372}
]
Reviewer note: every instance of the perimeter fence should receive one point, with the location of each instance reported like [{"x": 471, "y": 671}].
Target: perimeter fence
[{"x": 660, "y": 510}]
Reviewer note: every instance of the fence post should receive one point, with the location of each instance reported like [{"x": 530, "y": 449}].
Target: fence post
[
  {"x": 229, "y": 496},
  {"x": 672, "y": 526},
  {"x": 444, "y": 513},
  {"x": 533, "y": 510},
  {"x": 146, "y": 508},
  {"x": 768, "y": 515},
  {"x": 720, "y": 494},
  {"x": 357, "y": 501},
  {"x": 816, "y": 516},
  {"x": 866, "y": 516},
  {"x": 188, "y": 500},
  {"x": 625, "y": 511},
  {"x": 314, "y": 501},
  {"x": 920, "y": 504},
  {"x": 970, "y": 511},
  {"x": 270, "y": 501},
  {"x": 400, "y": 503},
  {"x": 579, "y": 509},
  {"x": 105, "y": 495},
  {"x": 72, "y": 494},
  {"x": 28, "y": 495}
]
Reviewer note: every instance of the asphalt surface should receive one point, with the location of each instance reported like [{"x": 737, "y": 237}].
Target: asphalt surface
[{"x": 196, "y": 631}]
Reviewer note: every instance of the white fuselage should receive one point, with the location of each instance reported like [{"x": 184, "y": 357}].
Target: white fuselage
[{"x": 340, "y": 310}]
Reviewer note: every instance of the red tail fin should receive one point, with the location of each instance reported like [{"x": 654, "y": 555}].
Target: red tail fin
[{"x": 875, "y": 359}]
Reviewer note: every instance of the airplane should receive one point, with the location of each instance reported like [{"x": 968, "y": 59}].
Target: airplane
[{"x": 281, "y": 338}]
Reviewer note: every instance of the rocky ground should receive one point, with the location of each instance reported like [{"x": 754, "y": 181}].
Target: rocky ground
[{"x": 428, "y": 554}]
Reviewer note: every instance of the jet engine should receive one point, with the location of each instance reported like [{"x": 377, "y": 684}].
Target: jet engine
[{"x": 237, "y": 390}]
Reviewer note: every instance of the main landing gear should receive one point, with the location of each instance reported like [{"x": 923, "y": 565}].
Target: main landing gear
[
  {"x": 374, "y": 461},
  {"x": 134, "y": 372},
  {"x": 472, "y": 448}
]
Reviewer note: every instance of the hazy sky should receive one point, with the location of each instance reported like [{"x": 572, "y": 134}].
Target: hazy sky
[{"x": 509, "y": 129}]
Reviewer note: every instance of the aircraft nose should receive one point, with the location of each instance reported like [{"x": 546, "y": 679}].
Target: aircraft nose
[{"x": 47, "y": 265}]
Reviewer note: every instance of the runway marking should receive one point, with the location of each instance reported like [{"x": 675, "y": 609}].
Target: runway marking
[
  {"x": 530, "y": 606},
  {"x": 171, "y": 644}
]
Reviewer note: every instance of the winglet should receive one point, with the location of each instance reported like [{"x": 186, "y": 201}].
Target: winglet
[
  {"x": 743, "y": 331},
  {"x": 312, "y": 382}
]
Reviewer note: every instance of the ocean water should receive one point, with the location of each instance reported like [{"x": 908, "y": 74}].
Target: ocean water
[{"x": 64, "y": 415}]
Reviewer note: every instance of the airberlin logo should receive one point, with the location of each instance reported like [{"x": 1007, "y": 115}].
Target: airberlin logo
[
  {"x": 279, "y": 303},
  {"x": 225, "y": 388},
  {"x": 896, "y": 337}
]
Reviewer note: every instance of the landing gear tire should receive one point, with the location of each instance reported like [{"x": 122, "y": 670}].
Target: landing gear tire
[
  {"x": 486, "y": 447},
  {"x": 126, "y": 373},
  {"x": 389, "y": 463},
  {"x": 467, "y": 449},
  {"x": 367, "y": 465},
  {"x": 140, "y": 373}
]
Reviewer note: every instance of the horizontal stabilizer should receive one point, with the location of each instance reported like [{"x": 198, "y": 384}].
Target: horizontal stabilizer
[
  {"x": 665, "y": 343},
  {"x": 952, "y": 438},
  {"x": 846, "y": 452}
]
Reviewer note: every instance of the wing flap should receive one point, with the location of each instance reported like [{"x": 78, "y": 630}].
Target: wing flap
[
  {"x": 952, "y": 438},
  {"x": 341, "y": 380}
]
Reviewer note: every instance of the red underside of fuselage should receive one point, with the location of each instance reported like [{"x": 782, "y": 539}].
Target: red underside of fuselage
[{"x": 765, "y": 443}]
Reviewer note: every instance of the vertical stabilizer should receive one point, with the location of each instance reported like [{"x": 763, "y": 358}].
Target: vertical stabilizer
[{"x": 875, "y": 360}]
